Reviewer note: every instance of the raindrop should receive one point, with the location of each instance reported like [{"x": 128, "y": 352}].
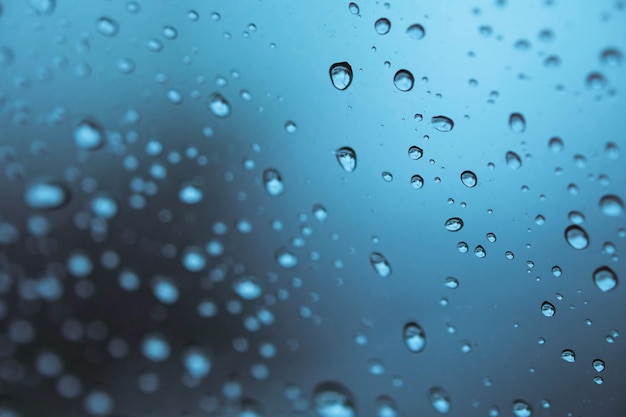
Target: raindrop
[
  {"x": 346, "y": 158},
  {"x": 576, "y": 217},
  {"x": 468, "y": 178},
  {"x": 598, "y": 380},
  {"x": 403, "y": 80},
  {"x": 605, "y": 279},
  {"x": 99, "y": 403},
  {"x": 190, "y": 193},
  {"x": 517, "y": 123},
  {"x": 248, "y": 288},
  {"x": 354, "y": 8},
  {"x": 522, "y": 409},
  {"x": 454, "y": 224},
  {"x": 414, "y": 337},
  {"x": 382, "y": 26},
  {"x": 611, "y": 205},
  {"x": 107, "y": 27},
  {"x": 155, "y": 347},
  {"x": 42, "y": 7},
  {"x": 611, "y": 57},
  {"x": 442, "y": 123},
  {"x": 380, "y": 264},
  {"x": 46, "y": 194},
  {"x": 416, "y": 31},
  {"x": 513, "y": 160},
  {"x": 415, "y": 152},
  {"x": 386, "y": 407},
  {"x": 440, "y": 400},
  {"x": 596, "y": 81},
  {"x": 568, "y": 356},
  {"x": 273, "y": 182},
  {"x": 218, "y": 105},
  {"x": 509, "y": 255},
  {"x": 88, "y": 135},
  {"x": 417, "y": 182},
  {"x": 547, "y": 309},
  {"x": 285, "y": 258},
  {"x": 331, "y": 399},
  {"x": 462, "y": 247},
  {"x": 480, "y": 252},
  {"x": 341, "y": 75},
  {"x": 387, "y": 176},
  {"x": 196, "y": 362},
  {"x": 576, "y": 237},
  {"x": 290, "y": 127},
  {"x": 598, "y": 365},
  {"x": 451, "y": 282},
  {"x": 555, "y": 145}
]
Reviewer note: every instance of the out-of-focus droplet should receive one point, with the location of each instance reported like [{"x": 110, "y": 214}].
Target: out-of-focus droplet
[
  {"x": 46, "y": 194},
  {"x": 285, "y": 258},
  {"x": 386, "y": 407},
  {"x": 319, "y": 212},
  {"x": 354, "y": 8},
  {"x": 415, "y": 152},
  {"x": 522, "y": 409},
  {"x": 197, "y": 362},
  {"x": 417, "y": 181},
  {"x": 248, "y": 288},
  {"x": 416, "y": 31},
  {"x": 88, "y": 135},
  {"x": 346, "y": 158},
  {"x": 218, "y": 105},
  {"x": 454, "y": 224},
  {"x": 547, "y": 309},
  {"x": 331, "y": 399},
  {"x": 414, "y": 337},
  {"x": 555, "y": 144},
  {"x": 576, "y": 237},
  {"x": 273, "y": 182},
  {"x": 451, "y": 283},
  {"x": 403, "y": 80},
  {"x": 190, "y": 193},
  {"x": 468, "y": 178},
  {"x": 290, "y": 127},
  {"x": 442, "y": 123},
  {"x": 382, "y": 26},
  {"x": 380, "y": 264},
  {"x": 42, "y": 7},
  {"x": 439, "y": 400},
  {"x": 568, "y": 355},
  {"x": 341, "y": 75},
  {"x": 517, "y": 123},
  {"x": 513, "y": 160},
  {"x": 596, "y": 81},
  {"x": 611, "y": 205},
  {"x": 611, "y": 57},
  {"x": 605, "y": 279},
  {"x": 107, "y": 27}
]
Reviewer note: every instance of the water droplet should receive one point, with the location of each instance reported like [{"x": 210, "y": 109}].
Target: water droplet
[
  {"x": 403, "y": 80},
  {"x": 346, "y": 158},
  {"x": 442, "y": 123},
  {"x": 7, "y": 57},
  {"x": 286, "y": 258},
  {"x": 454, "y": 224},
  {"x": 468, "y": 178},
  {"x": 416, "y": 31},
  {"x": 190, "y": 193},
  {"x": 596, "y": 81},
  {"x": 218, "y": 105},
  {"x": 46, "y": 194},
  {"x": 382, "y": 26},
  {"x": 611, "y": 57},
  {"x": 273, "y": 182},
  {"x": 196, "y": 362},
  {"x": 290, "y": 127},
  {"x": 576, "y": 237},
  {"x": 333, "y": 400},
  {"x": 354, "y": 8},
  {"x": 341, "y": 75},
  {"x": 612, "y": 150},
  {"x": 576, "y": 217},
  {"x": 480, "y": 252},
  {"x": 568, "y": 356},
  {"x": 517, "y": 123},
  {"x": 155, "y": 347},
  {"x": 42, "y": 7},
  {"x": 107, "y": 26},
  {"x": 417, "y": 182},
  {"x": 598, "y": 365},
  {"x": 386, "y": 407},
  {"x": 387, "y": 176},
  {"x": 462, "y": 247},
  {"x": 89, "y": 135},
  {"x": 440, "y": 400},
  {"x": 513, "y": 160},
  {"x": 605, "y": 279},
  {"x": 491, "y": 237},
  {"x": 414, "y": 337},
  {"x": 547, "y": 309},
  {"x": 380, "y": 264},
  {"x": 522, "y": 409},
  {"x": 598, "y": 380},
  {"x": 555, "y": 145},
  {"x": 452, "y": 283},
  {"x": 556, "y": 271},
  {"x": 320, "y": 213},
  {"x": 415, "y": 152},
  {"x": 612, "y": 205},
  {"x": 98, "y": 403},
  {"x": 248, "y": 288}
]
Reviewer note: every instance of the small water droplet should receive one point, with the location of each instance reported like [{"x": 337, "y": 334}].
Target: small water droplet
[
  {"x": 380, "y": 264},
  {"x": 568, "y": 356},
  {"x": 417, "y": 181},
  {"x": 576, "y": 237},
  {"x": 517, "y": 123},
  {"x": 273, "y": 182},
  {"x": 480, "y": 252},
  {"x": 414, "y": 337},
  {"x": 509, "y": 255},
  {"x": 382, "y": 26},
  {"x": 611, "y": 205},
  {"x": 605, "y": 279},
  {"x": 333, "y": 400},
  {"x": 596, "y": 81},
  {"x": 107, "y": 27},
  {"x": 190, "y": 193},
  {"x": 611, "y": 57},
  {"x": 555, "y": 144},
  {"x": 556, "y": 271},
  {"x": 218, "y": 105},
  {"x": 319, "y": 212},
  {"x": 462, "y": 247},
  {"x": 513, "y": 160},
  {"x": 454, "y": 224},
  {"x": 522, "y": 409},
  {"x": 286, "y": 258},
  {"x": 354, "y": 8},
  {"x": 386, "y": 407},
  {"x": 598, "y": 365},
  {"x": 88, "y": 135},
  {"x": 341, "y": 75},
  {"x": 547, "y": 309},
  {"x": 46, "y": 194},
  {"x": 415, "y": 152},
  {"x": 248, "y": 288},
  {"x": 346, "y": 158},
  {"x": 387, "y": 176},
  {"x": 403, "y": 80},
  {"x": 598, "y": 380},
  {"x": 491, "y": 237},
  {"x": 451, "y": 283},
  {"x": 442, "y": 123},
  {"x": 290, "y": 127},
  {"x": 416, "y": 31},
  {"x": 468, "y": 178},
  {"x": 439, "y": 400}
]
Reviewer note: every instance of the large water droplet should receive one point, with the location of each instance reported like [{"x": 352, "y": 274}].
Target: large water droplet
[
  {"x": 577, "y": 237},
  {"x": 605, "y": 279},
  {"x": 517, "y": 123},
  {"x": 417, "y": 181},
  {"x": 415, "y": 152},
  {"x": 442, "y": 123},
  {"x": 522, "y": 409},
  {"x": 107, "y": 27},
  {"x": 46, "y": 194},
  {"x": 547, "y": 309},
  {"x": 341, "y": 75},
  {"x": 568, "y": 356},
  {"x": 454, "y": 224},
  {"x": 382, "y": 26},
  {"x": 468, "y": 178},
  {"x": 88, "y": 135},
  {"x": 414, "y": 337},
  {"x": 346, "y": 158},
  {"x": 440, "y": 400},
  {"x": 598, "y": 365},
  {"x": 403, "y": 80},
  {"x": 42, "y": 7},
  {"x": 612, "y": 205},
  {"x": 380, "y": 264},
  {"x": 273, "y": 182},
  {"x": 416, "y": 31},
  {"x": 513, "y": 160},
  {"x": 218, "y": 105},
  {"x": 331, "y": 399}
]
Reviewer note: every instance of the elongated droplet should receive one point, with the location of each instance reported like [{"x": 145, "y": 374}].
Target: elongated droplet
[
  {"x": 46, "y": 194},
  {"x": 346, "y": 158},
  {"x": 612, "y": 205},
  {"x": 341, "y": 75},
  {"x": 380, "y": 264},
  {"x": 218, "y": 105},
  {"x": 468, "y": 178},
  {"x": 88, "y": 135},
  {"x": 442, "y": 123},
  {"x": 454, "y": 224},
  {"x": 513, "y": 160},
  {"x": 576, "y": 237},
  {"x": 522, "y": 409},
  {"x": 416, "y": 31},
  {"x": 403, "y": 80},
  {"x": 605, "y": 279},
  {"x": 273, "y": 182},
  {"x": 568, "y": 356},
  {"x": 332, "y": 399},
  {"x": 440, "y": 400},
  {"x": 517, "y": 123},
  {"x": 414, "y": 337},
  {"x": 547, "y": 309},
  {"x": 417, "y": 181}
]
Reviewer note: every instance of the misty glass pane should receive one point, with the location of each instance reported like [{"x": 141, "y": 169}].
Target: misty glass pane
[{"x": 312, "y": 209}]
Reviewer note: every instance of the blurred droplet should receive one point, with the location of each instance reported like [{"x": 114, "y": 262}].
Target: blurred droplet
[
  {"x": 439, "y": 400},
  {"x": 331, "y": 399},
  {"x": 414, "y": 337},
  {"x": 380, "y": 264},
  {"x": 107, "y": 27},
  {"x": 568, "y": 356},
  {"x": 273, "y": 182},
  {"x": 522, "y": 409},
  {"x": 88, "y": 135},
  {"x": 469, "y": 179},
  {"x": 382, "y": 26},
  {"x": 218, "y": 105},
  {"x": 517, "y": 123},
  {"x": 46, "y": 194}
]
